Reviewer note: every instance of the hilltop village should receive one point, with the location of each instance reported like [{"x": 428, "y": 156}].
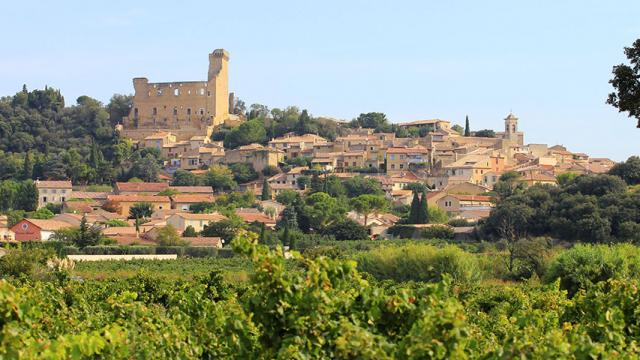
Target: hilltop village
[{"x": 190, "y": 125}]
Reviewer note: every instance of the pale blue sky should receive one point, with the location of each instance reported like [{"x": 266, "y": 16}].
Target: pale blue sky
[{"x": 549, "y": 61}]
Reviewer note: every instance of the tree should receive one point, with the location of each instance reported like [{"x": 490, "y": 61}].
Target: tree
[
  {"x": 423, "y": 214},
  {"x": 168, "y": 236},
  {"x": 347, "y": 229},
  {"x": 304, "y": 125},
  {"x": 243, "y": 173},
  {"x": 42, "y": 213},
  {"x": 226, "y": 229},
  {"x": 140, "y": 210},
  {"x": 359, "y": 185},
  {"x": 119, "y": 107},
  {"x": 373, "y": 120},
  {"x": 266, "y": 190},
  {"x": 628, "y": 170},
  {"x": 367, "y": 204},
  {"x": 510, "y": 221},
  {"x": 467, "y": 129},
  {"x": 27, "y": 168},
  {"x": 220, "y": 178},
  {"x": 487, "y": 133},
  {"x": 185, "y": 178},
  {"x": 286, "y": 235},
  {"x": 27, "y": 196},
  {"x": 414, "y": 210},
  {"x": 189, "y": 231},
  {"x": 87, "y": 235},
  {"x": 322, "y": 210},
  {"x": 145, "y": 168},
  {"x": 252, "y": 131},
  {"x": 626, "y": 82},
  {"x": 287, "y": 197}
]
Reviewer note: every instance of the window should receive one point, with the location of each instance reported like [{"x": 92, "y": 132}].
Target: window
[
  {"x": 176, "y": 92},
  {"x": 201, "y": 111},
  {"x": 201, "y": 91},
  {"x": 393, "y": 157},
  {"x": 154, "y": 111},
  {"x": 208, "y": 93},
  {"x": 160, "y": 207},
  {"x": 188, "y": 111},
  {"x": 401, "y": 166},
  {"x": 159, "y": 93},
  {"x": 54, "y": 191},
  {"x": 44, "y": 199},
  {"x": 393, "y": 166},
  {"x": 175, "y": 111}
]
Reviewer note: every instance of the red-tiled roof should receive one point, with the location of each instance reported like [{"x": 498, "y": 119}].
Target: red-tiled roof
[
  {"x": 191, "y": 198},
  {"x": 204, "y": 241},
  {"x": 138, "y": 198},
  {"x": 141, "y": 187},
  {"x": 53, "y": 184}
]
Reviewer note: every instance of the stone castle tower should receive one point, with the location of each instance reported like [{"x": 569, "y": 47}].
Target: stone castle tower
[{"x": 184, "y": 108}]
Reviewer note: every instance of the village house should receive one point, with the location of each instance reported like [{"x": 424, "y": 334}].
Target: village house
[
  {"x": 251, "y": 215},
  {"x": 185, "y": 201},
  {"x": 400, "y": 159},
  {"x": 37, "y": 229},
  {"x": 125, "y": 202},
  {"x": 53, "y": 191},
  {"x": 197, "y": 221},
  {"x": 295, "y": 146},
  {"x": 454, "y": 204},
  {"x": 258, "y": 156}
]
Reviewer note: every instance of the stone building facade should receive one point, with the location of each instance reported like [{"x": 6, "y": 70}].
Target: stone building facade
[{"x": 183, "y": 108}]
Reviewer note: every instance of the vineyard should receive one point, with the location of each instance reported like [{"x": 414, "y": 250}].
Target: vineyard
[{"x": 443, "y": 302}]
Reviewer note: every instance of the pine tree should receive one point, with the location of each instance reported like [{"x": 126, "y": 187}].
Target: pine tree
[
  {"x": 266, "y": 190},
  {"x": 467, "y": 129},
  {"x": 423, "y": 214},
  {"x": 415, "y": 209}
]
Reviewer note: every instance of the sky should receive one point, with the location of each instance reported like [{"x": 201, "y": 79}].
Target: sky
[{"x": 547, "y": 61}]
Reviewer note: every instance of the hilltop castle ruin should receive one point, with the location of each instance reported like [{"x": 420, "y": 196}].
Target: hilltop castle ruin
[{"x": 183, "y": 108}]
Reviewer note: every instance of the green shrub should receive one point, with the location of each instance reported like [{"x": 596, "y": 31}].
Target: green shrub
[
  {"x": 437, "y": 232},
  {"x": 419, "y": 262},
  {"x": 584, "y": 266},
  {"x": 403, "y": 231},
  {"x": 201, "y": 251},
  {"x": 28, "y": 262}
]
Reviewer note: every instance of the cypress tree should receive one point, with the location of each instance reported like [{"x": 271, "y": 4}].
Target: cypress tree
[
  {"x": 27, "y": 168},
  {"x": 262, "y": 234},
  {"x": 415, "y": 209},
  {"x": 423, "y": 214},
  {"x": 286, "y": 236},
  {"x": 467, "y": 129},
  {"x": 266, "y": 190}
]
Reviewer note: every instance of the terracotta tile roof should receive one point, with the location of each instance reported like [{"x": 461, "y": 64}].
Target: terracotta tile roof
[
  {"x": 422, "y": 122},
  {"x": 207, "y": 217},
  {"x": 193, "y": 189},
  {"x": 407, "y": 150},
  {"x": 90, "y": 195},
  {"x": 50, "y": 225},
  {"x": 119, "y": 230},
  {"x": 141, "y": 187},
  {"x": 251, "y": 215},
  {"x": 131, "y": 240},
  {"x": 192, "y": 198},
  {"x": 204, "y": 241},
  {"x": 138, "y": 198},
  {"x": 480, "y": 198},
  {"x": 53, "y": 184}
]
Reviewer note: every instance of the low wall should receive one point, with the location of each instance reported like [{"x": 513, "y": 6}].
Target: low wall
[{"x": 121, "y": 257}]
